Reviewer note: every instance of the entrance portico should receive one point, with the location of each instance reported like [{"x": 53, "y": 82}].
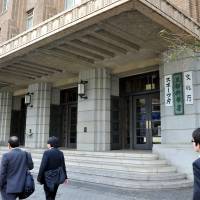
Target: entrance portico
[{"x": 97, "y": 41}]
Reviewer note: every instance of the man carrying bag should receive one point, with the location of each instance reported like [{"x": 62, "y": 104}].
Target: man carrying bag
[{"x": 14, "y": 165}]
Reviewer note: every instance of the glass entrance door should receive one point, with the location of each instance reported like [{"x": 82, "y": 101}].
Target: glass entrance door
[
  {"x": 72, "y": 126},
  {"x": 69, "y": 125},
  {"x": 146, "y": 121},
  {"x": 69, "y": 98}
]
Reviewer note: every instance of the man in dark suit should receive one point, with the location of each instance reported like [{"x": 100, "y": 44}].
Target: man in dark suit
[
  {"x": 14, "y": 165},
  {"x": 196, "y": 164},
  {"x": 52, "y": 159}
]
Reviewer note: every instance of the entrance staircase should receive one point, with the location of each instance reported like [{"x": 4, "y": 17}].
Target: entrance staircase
[{"x": 124, "y": 169}]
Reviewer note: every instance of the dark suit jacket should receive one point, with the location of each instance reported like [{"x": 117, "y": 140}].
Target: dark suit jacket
[
  {"x": 196, "y": 172},
  {"x": 14, "y": 165},
  {"x": 52, "y": 159}
]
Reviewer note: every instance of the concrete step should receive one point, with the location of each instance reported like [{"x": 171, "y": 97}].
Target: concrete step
[
  {"x": 120, "y": 167},
  {"x": 121, "y": 174},
  {"x": 131, "y": 169},
  {"x": 106, "y": 159},
  {"x": 138, "y": 173},
  {"x": 139, "y": 155},
  {"x": 115, "y": 162},
  {"x": 126, "y": 175},
  {"x": 127, "y": 180},
  {"x": 122, "y": 183}
]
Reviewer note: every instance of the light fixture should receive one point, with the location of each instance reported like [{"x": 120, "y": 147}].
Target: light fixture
[
  {"x": 28, "y": 99},
  {"x": 82, "y": 89}
]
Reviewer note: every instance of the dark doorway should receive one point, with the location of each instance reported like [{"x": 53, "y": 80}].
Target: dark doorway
[
  {"x": 69, "y": 99},
  {"x": 55, "y": 128},
  {"x": 18, "y": 122},
  {"x": 114, "y": 125},
  {"x": 140, "y": 111}
]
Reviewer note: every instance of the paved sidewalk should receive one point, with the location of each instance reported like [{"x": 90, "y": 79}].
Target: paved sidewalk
[{"x": 84, "y": 191}]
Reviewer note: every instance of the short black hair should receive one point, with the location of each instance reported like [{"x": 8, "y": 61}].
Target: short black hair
[
  {"x": 53, "y": 141},
  {"x": 13, "y": 141},
  {"x": 196, "y": 136}
]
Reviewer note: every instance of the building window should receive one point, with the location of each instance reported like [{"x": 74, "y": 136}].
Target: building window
[
  {"x": 29, "y": 19},
  {"x": 69, "y": 4},
  {"x": 5, "y": 5}
]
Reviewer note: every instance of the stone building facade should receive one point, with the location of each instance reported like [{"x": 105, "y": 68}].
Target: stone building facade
[
  {"x": 52, "y": 49},
  {"x": 14, "y": 13}
]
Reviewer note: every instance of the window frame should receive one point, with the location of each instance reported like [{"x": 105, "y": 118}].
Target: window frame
[
  {"x": 29, "y": 17},
  {"x": 4, "y": 6},
  {"x": 66, "y": 4}
]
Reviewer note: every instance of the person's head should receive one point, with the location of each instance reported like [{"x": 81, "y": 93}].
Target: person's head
[
  {"x": 13, "y": 142},
  {"x": 53, "y": 142},
  {"x": 196, "y": 139}
]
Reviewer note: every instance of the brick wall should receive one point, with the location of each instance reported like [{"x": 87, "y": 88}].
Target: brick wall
[
  {"x": 13, "y": 20},
  {"x": 190, "y": 7}
]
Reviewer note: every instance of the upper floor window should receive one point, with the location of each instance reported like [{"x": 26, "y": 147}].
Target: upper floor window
[
  {"x": 4, "y": 5},
  {"x": 69, "y": 4},
  {"x": 29, "y": 19}
]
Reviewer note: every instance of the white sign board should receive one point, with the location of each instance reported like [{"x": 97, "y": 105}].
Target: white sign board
[
  {"x": 188, "y": 87},
  {"x": 168, "y": 91}
]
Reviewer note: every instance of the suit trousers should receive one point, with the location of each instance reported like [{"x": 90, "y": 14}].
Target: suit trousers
[
  {"x": 6, "y": 196},
  {"x": 50, "y": 195}
]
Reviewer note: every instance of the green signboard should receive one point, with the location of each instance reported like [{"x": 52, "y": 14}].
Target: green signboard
[{"x": 178, "y": 94}]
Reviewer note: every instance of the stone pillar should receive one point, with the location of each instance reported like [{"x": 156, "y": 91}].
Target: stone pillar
[
  {"x": 5, "y": 115},
  {"x": 178, "y": 128},
  {"x": 93, "y": 126},
  {"x": 38, "y": 116}
]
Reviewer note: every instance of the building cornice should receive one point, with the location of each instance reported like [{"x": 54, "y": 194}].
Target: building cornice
[{"x": 87, "y": 10}]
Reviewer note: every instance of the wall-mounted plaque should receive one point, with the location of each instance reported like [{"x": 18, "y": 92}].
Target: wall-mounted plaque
[
  {"x": 188, "y": 87},
  {"x": 168, "y": 91},
  {"x": 178, "y": 94}
]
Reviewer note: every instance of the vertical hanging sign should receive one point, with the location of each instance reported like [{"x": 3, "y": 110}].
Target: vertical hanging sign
[
  {"x": 178, "y": 94},
  {"x": 188, "y": 88},
  {"x": 168, "y": 91}
]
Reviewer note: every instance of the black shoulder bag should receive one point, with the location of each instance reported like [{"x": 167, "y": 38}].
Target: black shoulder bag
[{"x": 54, "y": 177}]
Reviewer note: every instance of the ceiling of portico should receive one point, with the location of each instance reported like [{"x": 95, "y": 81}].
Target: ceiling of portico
[{"x": 116, "y": 43}]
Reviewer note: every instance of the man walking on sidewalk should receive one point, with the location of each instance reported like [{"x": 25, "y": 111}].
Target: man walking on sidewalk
[{"x": 13, "y": 170}]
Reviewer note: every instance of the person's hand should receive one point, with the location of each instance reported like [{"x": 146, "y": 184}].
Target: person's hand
[
  {"x": 66, "y": 182},
  {"x": 39, "y": 181}
]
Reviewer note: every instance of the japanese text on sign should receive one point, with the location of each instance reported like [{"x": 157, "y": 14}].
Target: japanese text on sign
[
  {"x": 188, "y": 88},
  {"x": 168, "y": 90},
  {"x": 178, "y": 94}
]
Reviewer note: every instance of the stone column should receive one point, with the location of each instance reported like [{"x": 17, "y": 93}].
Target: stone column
[
  {"x": 38, "y": 116},
  {"x": 5, "y": 115},
  {"x": 93, "y": 126},
  {"x": 178, "y": 128}
]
